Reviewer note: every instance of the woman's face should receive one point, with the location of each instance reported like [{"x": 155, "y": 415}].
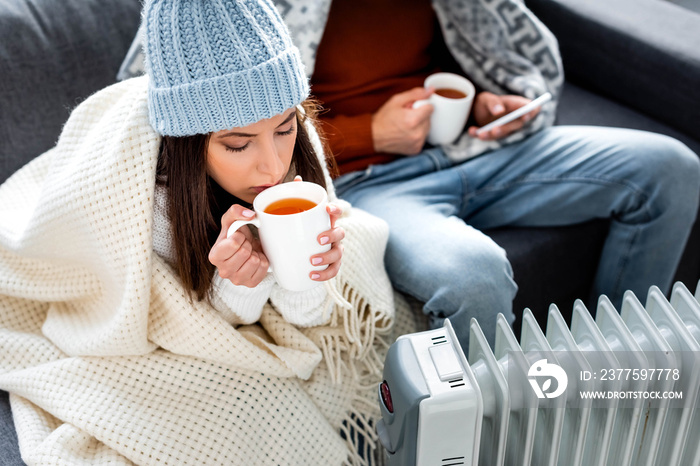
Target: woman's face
[{"x": 246, "y": 161}]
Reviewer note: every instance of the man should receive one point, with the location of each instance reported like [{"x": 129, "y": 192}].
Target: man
[{"x": 367, "y": 61}]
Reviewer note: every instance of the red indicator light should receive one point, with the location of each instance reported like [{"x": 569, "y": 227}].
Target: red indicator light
[{"x": 386, "y": 396}]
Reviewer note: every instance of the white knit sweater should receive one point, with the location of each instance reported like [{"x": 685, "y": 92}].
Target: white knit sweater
[{"x": 241, "y": 304}]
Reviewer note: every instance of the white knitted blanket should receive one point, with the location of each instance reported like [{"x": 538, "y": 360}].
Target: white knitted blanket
[{"x": 108, "y": 362}]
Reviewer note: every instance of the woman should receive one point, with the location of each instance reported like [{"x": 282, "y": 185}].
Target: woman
[
  {"x": 192, "y": 354},
  {"x": 212, "y": 167},
  {"x": 210, "y": 181}
]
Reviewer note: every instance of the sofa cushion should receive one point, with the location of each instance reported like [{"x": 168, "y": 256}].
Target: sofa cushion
[{"x": 50, "y": 62}]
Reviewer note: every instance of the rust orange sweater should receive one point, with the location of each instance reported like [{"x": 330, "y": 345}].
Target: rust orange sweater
[{"x": 371, "y": 50}]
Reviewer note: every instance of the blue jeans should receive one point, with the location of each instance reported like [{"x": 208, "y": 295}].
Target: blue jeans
[{"x": 648, "y": 185}]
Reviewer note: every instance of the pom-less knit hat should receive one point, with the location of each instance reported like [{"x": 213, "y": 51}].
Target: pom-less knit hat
[{"x": 218, "y": 64}]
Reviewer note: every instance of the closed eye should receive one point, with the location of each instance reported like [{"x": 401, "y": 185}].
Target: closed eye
[
  {"x": 287, "y": 132},
  {"x": 237, "y": 149}
]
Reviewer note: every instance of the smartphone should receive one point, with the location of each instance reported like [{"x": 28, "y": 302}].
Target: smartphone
[{"x": 517, "y": 113}]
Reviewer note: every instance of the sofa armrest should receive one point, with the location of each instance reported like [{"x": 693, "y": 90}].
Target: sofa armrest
[{"x": 642, "y": 53}]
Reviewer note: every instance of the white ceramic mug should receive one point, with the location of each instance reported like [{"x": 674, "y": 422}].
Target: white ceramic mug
[
  {"x": 290, "y": 240},
  {"x": 449, "y": 114}
]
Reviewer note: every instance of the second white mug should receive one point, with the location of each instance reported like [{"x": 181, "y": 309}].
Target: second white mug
[{"x": 452, "y": 102}]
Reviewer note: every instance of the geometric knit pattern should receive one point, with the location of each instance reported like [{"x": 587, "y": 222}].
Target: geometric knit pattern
[
  {"x": 108, "y": 361},
  {"x": 505, "y": 49},
  {"x": 218, "y": 64}
]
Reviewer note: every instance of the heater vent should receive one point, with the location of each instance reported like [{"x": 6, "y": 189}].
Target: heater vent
[
  {"x": 456, "y": 383},
  {"x": 452, "y": 461},
  {"x": 440, "y": 339}
]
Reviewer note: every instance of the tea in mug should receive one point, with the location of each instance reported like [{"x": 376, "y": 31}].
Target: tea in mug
[
  {"x": 291, "y": 205},
  {"x": 450, "y": 93}
]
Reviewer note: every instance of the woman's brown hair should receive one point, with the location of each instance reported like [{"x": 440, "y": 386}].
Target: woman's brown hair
[{"x": 196, "y": 203}]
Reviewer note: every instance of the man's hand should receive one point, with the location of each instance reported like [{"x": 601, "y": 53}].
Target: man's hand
[
  {"x": 398, "y": 128},
  {"x": 488, "y": 106}
]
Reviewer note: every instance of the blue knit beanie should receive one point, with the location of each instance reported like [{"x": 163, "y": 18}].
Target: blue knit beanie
[{"x": 218, "y": 64}]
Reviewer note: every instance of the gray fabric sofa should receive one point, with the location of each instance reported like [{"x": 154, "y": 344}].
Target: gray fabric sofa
[{"x": 630, "y": 63}]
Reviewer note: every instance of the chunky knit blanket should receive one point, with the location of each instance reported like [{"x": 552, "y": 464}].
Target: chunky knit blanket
[{"x": 109, "y": 362}]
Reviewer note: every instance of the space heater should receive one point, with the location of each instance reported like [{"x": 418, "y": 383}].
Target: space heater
[{"x": 620, "y": 389}]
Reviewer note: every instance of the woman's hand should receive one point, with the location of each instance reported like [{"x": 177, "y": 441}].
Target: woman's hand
[
  {"x": 333, "y": 256},
  {"x": 239, "y": 258},
  {"x": 334, "y": 236},
  {"x": 488, "y": 107}
]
